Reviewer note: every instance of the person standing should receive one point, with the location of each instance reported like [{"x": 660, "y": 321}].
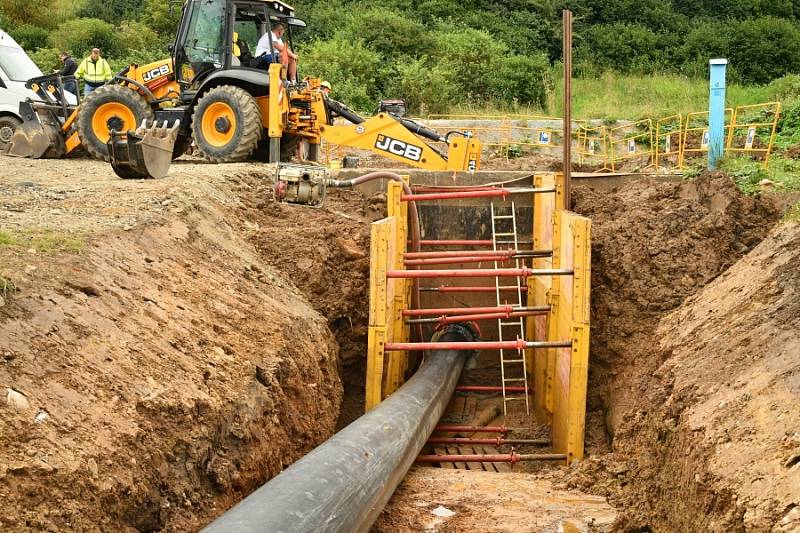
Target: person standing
[
  {"x": 94, "y": 70},
  {"x": 69, "y": 69}
]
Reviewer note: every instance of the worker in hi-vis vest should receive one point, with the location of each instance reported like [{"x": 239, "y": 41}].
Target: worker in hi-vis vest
[{"x": 94, "y": 70}]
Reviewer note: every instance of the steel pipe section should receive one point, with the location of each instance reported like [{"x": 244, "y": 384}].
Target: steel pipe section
[{"x": 344, "y": 483}]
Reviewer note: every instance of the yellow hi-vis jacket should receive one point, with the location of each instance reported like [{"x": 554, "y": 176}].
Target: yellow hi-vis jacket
[{"x": 95, "y": 73}]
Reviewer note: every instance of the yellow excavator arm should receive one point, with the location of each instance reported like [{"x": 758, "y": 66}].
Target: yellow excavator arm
[{"x": 401, "y": 139}]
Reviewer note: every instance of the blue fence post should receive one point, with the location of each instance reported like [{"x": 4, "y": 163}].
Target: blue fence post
[{"x": 716, "y": 112}]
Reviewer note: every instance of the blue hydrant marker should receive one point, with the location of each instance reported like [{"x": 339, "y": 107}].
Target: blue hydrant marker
[{"x": 716, "y": 112}]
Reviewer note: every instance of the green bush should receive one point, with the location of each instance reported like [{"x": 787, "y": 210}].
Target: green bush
[
  {"x": 622, "y": 46},
  {"x": 472, "y": 55},
  {"x": 520, "y": 79},
  {"x": 785, "y": 88},
  {"x": 388, "y": 32},
  {"x": 29, "y": 37},
  {"x": 111, "y": 10},
  {"x": 46, "y": 59},
  {"x": 426, "y": 87},
  {"x": 33, "y": 12},
  {"x": 354, "y": 70},
  {"x": 765, "y": 48},
  {"x": 81, "y": 35}
]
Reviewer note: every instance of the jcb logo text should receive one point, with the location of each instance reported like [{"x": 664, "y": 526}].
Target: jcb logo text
[{"x": 397, "y": 147}]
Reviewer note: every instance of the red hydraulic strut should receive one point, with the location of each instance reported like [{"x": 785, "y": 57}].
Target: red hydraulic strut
[
  {"x": 458, "y": 253},
  {"x": 518, "y": 344},
  {"x": 509, "y": 288},
  {"x": 488, "y": 193},
  {"x": 479, "y": 273},
  {"x": 459, "y": 310},
  {"x": 512, "y": 458},
  {"x": 454, "y": 260},
  {"x": 497, "y": 441},
  {"x": 451, "y": 428}
]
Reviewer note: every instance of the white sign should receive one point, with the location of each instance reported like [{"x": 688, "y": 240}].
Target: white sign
[
  {"x": 668, "y": 144},
  {"x": 751, "y": 136},
  {"x": 704, "y": 140},
  {"x": 544, "y": 137},
  {"x": 631, "y": 146}
]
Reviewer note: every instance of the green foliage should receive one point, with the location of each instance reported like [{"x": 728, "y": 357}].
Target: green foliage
[
  {"x": 785, "y": 88},
  {"x": 788, "y": 130},
  {"x": 161, "y": 17},
  {"x": 765, "y": 48},
  {"x": 79, "y": 36},
  {"x": 29, "y": 36},
  {"x": 792, "y": 214},
  {"x": 782, "y": 174},
  {"x": 353, "y": 69},
  {"x": 111, "y": 10},
  {"x": 426, "y": 87},
  {"x": 34, "y": 12},
  {"x": 46, "y": 59}
]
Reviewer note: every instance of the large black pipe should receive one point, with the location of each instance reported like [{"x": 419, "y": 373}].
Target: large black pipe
[{"x": 344, "y": 483}]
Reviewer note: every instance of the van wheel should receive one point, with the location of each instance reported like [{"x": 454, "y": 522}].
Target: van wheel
[{"x": 8, "y": 125}]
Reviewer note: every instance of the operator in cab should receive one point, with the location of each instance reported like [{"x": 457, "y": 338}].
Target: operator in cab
[{"x": 281, "y": 52}]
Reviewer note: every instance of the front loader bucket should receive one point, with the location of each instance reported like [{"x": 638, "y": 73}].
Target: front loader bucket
[
  {"x": 144, "y": 153},
  {"x": 37, "y": 140}
]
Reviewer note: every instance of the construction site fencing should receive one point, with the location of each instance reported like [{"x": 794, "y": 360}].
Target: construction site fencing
[
  {"x": 753, "y": 130},
  {"x": 631, "y": 142},
  {"x": 671, "y": 142}
]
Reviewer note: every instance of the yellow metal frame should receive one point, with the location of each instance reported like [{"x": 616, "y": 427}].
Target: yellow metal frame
[
  {"x": 591, "y": 134},
  {"x": 618, "y": 136},
  {"x": 387, "y": 300},
  {"x": 384, "y": 135},
  {"x": 691, "y": 118},
  {"x": 668, "y": 134},
  {"x": 775, "y": 109}
]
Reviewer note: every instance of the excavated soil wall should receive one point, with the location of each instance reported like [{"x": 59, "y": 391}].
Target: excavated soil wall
[
  {"x": 184, "y": 353},
  {"x": 693, "y": 359}
]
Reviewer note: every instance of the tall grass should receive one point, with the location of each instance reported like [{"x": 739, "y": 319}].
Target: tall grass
[{"x": 614, "y": 96}]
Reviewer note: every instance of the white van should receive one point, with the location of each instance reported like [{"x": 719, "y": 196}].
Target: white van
[{"x": 15, "y": 69}]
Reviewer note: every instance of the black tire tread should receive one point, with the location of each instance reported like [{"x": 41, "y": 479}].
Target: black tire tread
[
  {"x": 135, "y": 101},
  {"x": 246, "y": 106}
]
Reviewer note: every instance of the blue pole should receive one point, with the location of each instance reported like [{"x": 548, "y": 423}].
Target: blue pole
[{"x": 716, "y": 112}]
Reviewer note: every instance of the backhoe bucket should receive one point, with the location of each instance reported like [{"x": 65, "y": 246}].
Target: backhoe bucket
[
  {"x": 144, "y": 153},
  {"x": 37, "y": 139}
]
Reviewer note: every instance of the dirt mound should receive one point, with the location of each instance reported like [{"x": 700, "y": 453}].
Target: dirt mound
[
  {"x": 160, "y": 371},
  {"x": 714, "y": 442},
  {"x": 653, "y": 244}
]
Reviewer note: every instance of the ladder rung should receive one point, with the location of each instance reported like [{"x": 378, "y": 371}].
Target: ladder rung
[
  {"x": 515, "y": 398},
  {"x": 496, "y": 217},
  {"x": 514, "y": 379},
  {"x": 504, "y": 234},
  {"x": 513, "y": 360},
  {"x": 509, "y": 323}
]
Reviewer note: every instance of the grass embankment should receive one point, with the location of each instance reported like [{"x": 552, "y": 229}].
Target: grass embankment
[
  {"x": 43, "y": 241},
  {"x": 614, "y": 96}
]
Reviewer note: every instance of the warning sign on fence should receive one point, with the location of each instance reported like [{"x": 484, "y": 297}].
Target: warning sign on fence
[
  {"x": 544, "y": 137},
  {"x": 631, "y": 146},
  {"x": 704, "y": 140},
  {"x": 751, "y": 137}
]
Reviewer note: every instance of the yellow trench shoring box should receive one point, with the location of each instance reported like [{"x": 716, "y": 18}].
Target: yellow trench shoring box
[{"x": 557, "y": 376}]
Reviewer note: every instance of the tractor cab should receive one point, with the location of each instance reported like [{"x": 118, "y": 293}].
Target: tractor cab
[{"x": 216, "y": 36}]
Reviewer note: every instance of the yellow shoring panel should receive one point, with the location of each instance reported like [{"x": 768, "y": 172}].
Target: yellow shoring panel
[
  {"x": 570, "y": 369},
  {"x": 544, "y": 209},
  {"x": 383, "y": 243},
  {"x": 397, "y": 362}
]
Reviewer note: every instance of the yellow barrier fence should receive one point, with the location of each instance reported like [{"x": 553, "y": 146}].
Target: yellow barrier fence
[
  {"x": 753, "y": 130},
  {"x": 669, "y": 140},
  {"x": 695, "y": 134},
  {"x": 631, "y": 142},
  {"x": 592, "y": 147}
]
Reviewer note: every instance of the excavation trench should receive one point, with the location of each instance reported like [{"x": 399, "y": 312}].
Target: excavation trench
[{"x": 210, "y": 345}]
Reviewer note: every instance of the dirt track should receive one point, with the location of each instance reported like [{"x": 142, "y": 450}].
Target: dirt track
[{"x": 171, "y": 344}]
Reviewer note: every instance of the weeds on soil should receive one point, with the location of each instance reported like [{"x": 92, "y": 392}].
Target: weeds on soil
[
  {"x": 782, "y": 174},
  {"x": 43, "y": 242},
  {"x": 792, "y": 214}
]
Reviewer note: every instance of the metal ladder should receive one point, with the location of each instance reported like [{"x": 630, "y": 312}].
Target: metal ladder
[{"x": 508, "y": 327}]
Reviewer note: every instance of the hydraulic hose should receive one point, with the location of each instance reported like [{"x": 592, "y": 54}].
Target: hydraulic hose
[
  {"x": 343, "y": 111},
  {"x": 344, "y": 483}
]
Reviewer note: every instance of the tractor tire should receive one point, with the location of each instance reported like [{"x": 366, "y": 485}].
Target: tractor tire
[
  {"x": 8, "y": 125},
  {"x": 182, "y": 144},
  {"x": 226, "y": 124},
  {"x": 106, "y": 108}
]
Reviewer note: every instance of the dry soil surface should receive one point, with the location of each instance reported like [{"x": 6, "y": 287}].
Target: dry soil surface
[{"x": 160, "y": 352}]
